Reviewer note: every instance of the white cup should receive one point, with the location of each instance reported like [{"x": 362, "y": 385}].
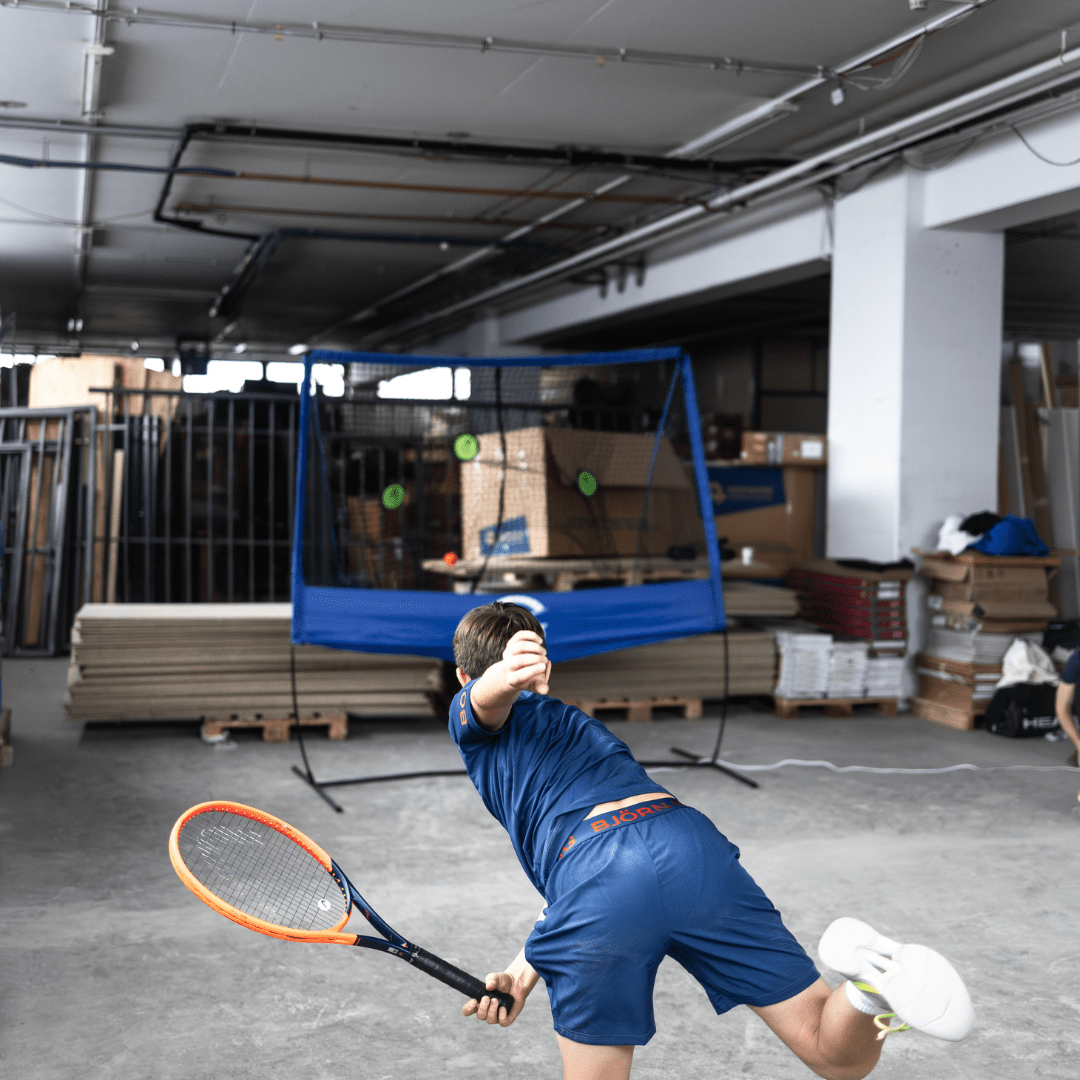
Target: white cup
[{"x": 747, "y": 555}]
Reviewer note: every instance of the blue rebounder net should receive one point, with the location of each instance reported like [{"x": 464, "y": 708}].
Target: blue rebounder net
[{"x": 574, "y": 485}]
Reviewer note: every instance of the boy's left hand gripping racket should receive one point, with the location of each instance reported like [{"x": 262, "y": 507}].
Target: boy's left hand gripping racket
[{"x": 262, "y": 873}]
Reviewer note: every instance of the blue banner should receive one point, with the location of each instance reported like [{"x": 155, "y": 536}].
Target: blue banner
[
  {"x": 749, "y": 487},
  {"x": 575, "y": 623}
]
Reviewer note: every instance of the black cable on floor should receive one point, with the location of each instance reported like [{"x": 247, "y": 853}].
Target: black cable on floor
[
  {"x": 307, "y": 773},
  {"x": 724, "y": 703}
]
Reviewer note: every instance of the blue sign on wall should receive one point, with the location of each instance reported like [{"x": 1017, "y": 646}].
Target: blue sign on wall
[
  {"x": 511, "y": 538},
  {"x": 745, "y": 488}
]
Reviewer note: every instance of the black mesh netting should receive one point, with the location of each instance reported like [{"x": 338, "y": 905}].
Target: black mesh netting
[{"x": 543, "y": 478}]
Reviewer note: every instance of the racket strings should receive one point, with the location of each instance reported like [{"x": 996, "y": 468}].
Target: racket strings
[{"x": 260, "y": 872}]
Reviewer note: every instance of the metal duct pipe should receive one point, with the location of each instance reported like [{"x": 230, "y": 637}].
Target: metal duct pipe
[
  {"x": 771, "y": 111},
  {"x": 315, "y": 31},
  {"x": 828, "y": 163}
]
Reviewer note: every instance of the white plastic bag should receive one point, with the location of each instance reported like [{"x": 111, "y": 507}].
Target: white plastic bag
[{"x": 1027, "y": 662}]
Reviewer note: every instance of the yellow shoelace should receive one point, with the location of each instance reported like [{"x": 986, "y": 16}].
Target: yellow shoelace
[{"x": 884, "y": 1028}]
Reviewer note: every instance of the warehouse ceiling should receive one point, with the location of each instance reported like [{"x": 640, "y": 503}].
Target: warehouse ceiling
[{"x": 252, "y": 174}]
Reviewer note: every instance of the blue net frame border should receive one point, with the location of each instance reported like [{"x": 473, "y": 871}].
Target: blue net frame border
[{"x": 422, "y": 623}]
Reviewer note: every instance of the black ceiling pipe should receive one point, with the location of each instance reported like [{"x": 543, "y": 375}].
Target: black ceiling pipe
[
  {"x": 566, "y": 155},
  {"x": 194, "y": 226}
]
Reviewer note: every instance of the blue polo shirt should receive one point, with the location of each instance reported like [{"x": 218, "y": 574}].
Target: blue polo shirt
[
  {"x": 1072, "y": 668},
  {"x": 548, "y": 761}
]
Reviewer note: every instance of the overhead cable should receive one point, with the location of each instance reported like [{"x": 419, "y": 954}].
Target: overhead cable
[
  {"x": 745, "y": 123},
  {"x": 1042, "y": 157}
]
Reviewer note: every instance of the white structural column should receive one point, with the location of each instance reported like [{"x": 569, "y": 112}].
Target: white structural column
[{"x": 914, "y": 371}]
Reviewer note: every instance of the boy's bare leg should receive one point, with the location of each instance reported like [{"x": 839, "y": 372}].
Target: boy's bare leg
[
  {"x": 584, "y": 1062},
  {"x": 826, "y": 1032}
]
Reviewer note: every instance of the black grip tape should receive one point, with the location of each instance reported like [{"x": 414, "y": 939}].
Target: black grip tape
[{"x": 455, "y": 977}]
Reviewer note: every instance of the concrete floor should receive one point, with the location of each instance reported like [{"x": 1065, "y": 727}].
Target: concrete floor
[{"x": 111, "y": 970}]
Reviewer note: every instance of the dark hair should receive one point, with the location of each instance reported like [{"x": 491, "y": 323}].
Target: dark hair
[{"x": 483, "y": 634}]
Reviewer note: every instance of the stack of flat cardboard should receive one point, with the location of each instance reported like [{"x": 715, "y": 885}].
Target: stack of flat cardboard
[
  {"x": 978, "y": 605},
  {"x": 687, "y": 667},
  {"x": 214, "y": 661},
  {"x": 748, "y": 599},
  {"x": 858, "y": 601}
]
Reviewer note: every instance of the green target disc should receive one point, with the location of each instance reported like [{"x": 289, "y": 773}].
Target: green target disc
[
  {"x": 586, "y": 483},
  {"x": 466, "y": 447},
  {"x": 393, "y": 496}
]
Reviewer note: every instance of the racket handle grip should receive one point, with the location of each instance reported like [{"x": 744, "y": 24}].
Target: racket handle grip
[{"x": 458, "y": 979}]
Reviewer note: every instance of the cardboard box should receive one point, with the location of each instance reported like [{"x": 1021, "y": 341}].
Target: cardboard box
[
  {"x": 970, "y": 590},
  {"x": 956, "y": 685},
  {"x": 972, "y": 567},
  {"x": 783, "y": 448},
  {"x": 67, "y": 380},
  {"x": 961, "y": 719},
  {"x": 545, "y": 512},
  {"x": 767, "y": 508},
  {"x": 994, "y": 609},
  {"x": 984, "y": 625}
]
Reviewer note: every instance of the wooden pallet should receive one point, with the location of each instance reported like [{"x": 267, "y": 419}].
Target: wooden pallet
[
  {"x": 788, "y": 708},
  {"x": 569, "y": 580},
  {"x": 275, "y": 729},
  {"x": 7, "y": 751},
  {"x": 638, "y": 712},
  {"x": 565, "y": 574}
]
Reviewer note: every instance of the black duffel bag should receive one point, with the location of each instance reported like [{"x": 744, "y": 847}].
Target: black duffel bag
[{"x": 1020, "y": 710}]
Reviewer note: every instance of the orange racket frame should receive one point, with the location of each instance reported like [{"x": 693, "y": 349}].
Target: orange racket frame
[
  {"x": 330, "y": 937},
  {"x": 391, "y": 942}
]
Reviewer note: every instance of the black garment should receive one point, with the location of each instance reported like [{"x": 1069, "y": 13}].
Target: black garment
[{"x": 977, "y": 524}]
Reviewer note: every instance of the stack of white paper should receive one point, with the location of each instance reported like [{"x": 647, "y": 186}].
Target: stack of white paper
[
  {"x": 847, "y": 669},
  {"x": 804, "y": 665}
]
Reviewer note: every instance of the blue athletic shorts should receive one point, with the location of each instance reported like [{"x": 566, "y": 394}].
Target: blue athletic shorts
[{"x": 666, "y": 885}]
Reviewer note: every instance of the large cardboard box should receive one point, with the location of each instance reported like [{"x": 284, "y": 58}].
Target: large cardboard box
[
  {"x": 768, "y": 508},
  {"x": 783, "y": 448},
  {"x": 545, "y": 512}
]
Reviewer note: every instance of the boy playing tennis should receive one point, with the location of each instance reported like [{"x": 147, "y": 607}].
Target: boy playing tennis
[{"x": 631, "y": 875}]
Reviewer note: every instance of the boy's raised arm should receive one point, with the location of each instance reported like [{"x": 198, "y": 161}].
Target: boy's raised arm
[{"x": 524, "y": 666}]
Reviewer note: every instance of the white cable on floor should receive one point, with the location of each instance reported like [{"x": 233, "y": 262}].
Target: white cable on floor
[{"x": 869, "y": 768}]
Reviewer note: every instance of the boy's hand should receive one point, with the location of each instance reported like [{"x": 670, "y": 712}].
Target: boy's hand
[
  {"x": 525, "y": 663},
  {"x": 488, "y": 1009}
]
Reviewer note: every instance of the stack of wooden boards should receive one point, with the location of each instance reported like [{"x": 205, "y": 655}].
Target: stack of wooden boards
[
  {"x": 228, "y": 665},
  {"x": 978, "y": 605},
  {"x": 672, "y": 673}
]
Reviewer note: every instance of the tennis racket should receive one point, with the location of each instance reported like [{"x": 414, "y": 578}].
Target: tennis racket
[{"x": 262, "y": 873}]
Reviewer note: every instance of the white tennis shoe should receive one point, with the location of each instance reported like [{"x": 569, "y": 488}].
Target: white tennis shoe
[{"x": 920, "y": 986}]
